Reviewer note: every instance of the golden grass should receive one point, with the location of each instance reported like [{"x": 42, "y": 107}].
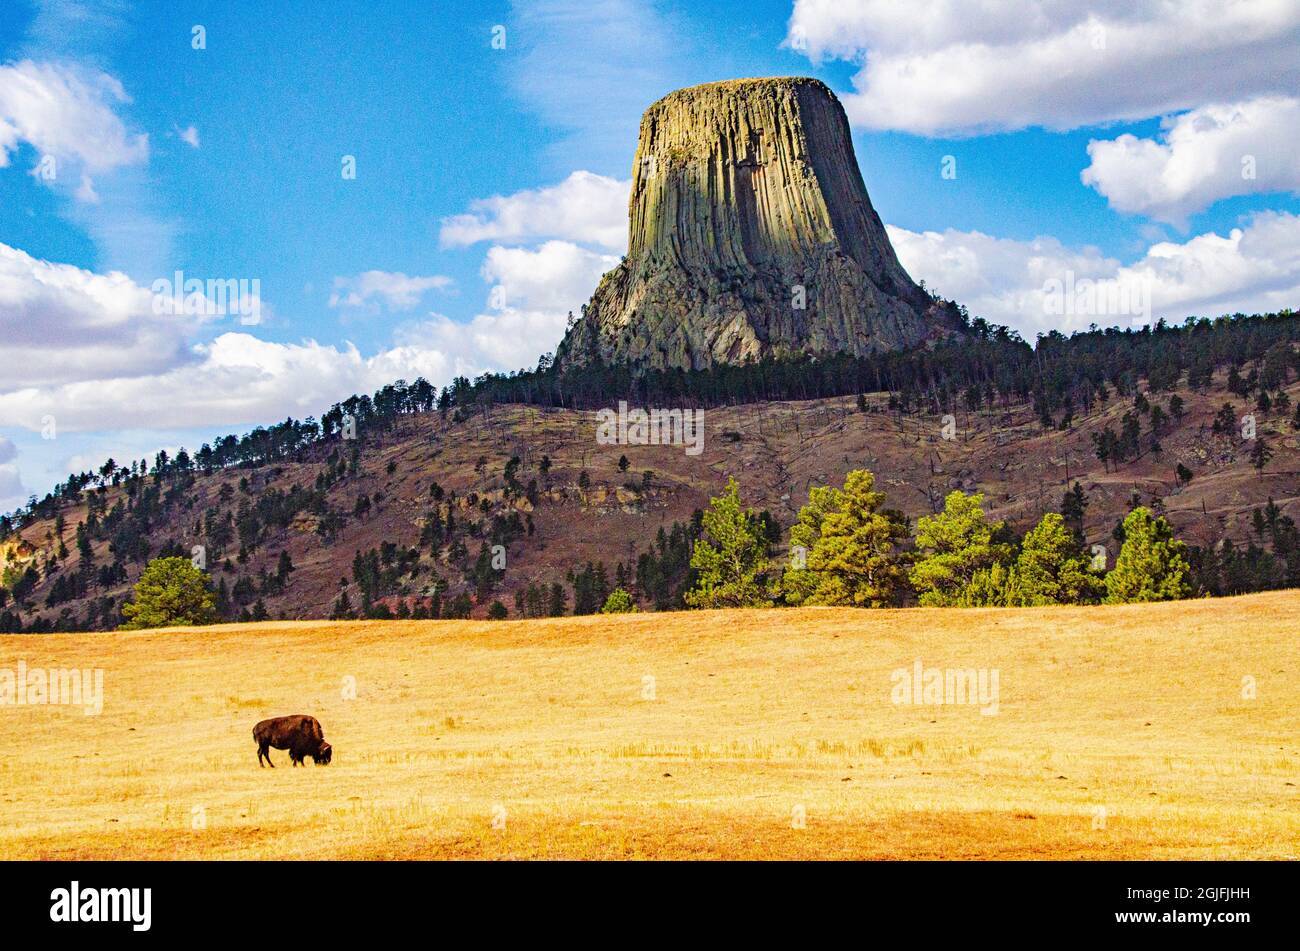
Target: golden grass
[{"x": 535, "y": 739}]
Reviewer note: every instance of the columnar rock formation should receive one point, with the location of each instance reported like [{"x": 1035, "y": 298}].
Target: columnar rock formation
[{"x": 751, "y": 234}]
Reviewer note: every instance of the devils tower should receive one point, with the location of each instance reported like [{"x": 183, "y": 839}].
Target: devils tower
[{"x": 750, "y": 234}]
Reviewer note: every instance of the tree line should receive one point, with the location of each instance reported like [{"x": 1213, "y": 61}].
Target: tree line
[{"x": 847, "y": 548}]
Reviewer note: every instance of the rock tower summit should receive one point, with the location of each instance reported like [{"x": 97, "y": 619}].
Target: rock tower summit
[{"x": 750, "y": 234}]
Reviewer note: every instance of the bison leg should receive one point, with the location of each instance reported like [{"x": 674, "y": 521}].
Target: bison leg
[{"x": 264, "y": 751}]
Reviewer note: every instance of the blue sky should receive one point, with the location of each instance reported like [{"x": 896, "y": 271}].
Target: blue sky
[{"x": 1105, "y": 140}]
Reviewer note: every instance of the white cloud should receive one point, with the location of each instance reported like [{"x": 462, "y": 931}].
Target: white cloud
[
  {"x": 238, "y": 379},
  {"x": 60, "y": 323},
  {"x": 587, "y": 208},
  {"x": 508, "y": 340},
  {"x": 1202, "y": 156},
  {"x": 69, "y": 116},
  {"x": 962, "y": 66},
  {"x": 1255, "y": 268},
  {"x": 395, "y": 289},
  {"x": 235, "y": 379},
  {"x": 189, "y": 135},
  {"x": 557, "y": 276},
  {"x": 996, "y": 278},
  {"x": 99, "y": 352},
  {"x": 67, "y": 113},
  {"x": 7, "y": 451}
]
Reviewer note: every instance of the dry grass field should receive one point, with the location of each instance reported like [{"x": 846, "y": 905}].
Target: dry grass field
[{"x": 1120, "y": 733}]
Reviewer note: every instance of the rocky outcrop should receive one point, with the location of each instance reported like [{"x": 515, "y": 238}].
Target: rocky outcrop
[{"x": 750, "y": 234}]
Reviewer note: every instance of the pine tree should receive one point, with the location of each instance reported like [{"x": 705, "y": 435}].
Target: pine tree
[
  {"x": 798, "y": 582},
  {"x": 954, "y": 545},
  {"x": 283, "y": 568},
  {"x": 1225, "y": 420},
  {"x": 995, "y": 587},
  {"x": 1260, "y": 454},
  {"x": 555, "y": 607},
  {"x": 1052, "y": 569},
  {"x": 83, "y": 545},
  {"x": 1152, "y": 564},
  {"x": 170, "y": 593},
  {"x": 856, "y": 558},
  {"x": 1074, "y": 506},
  {"x": 1158, "y": 420},
  {"x": 222, "y": 601},
  {"x": 732, "y": 558}
]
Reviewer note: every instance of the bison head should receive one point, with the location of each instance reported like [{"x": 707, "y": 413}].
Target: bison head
[{"x": 324, "y": 754}]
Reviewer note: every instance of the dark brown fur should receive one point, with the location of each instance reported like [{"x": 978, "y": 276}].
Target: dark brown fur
[{"x": 299, "y": 734}]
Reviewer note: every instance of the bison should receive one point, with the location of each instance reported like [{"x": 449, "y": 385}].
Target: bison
[{"x": 300, "y": 735}]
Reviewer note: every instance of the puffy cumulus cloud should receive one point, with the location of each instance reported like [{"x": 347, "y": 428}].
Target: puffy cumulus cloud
[
  {"x": 67, "y": 114},
  {"x": 964, "y": 66},
  {"x": 506, "y": 340},
  {"x": 394, "y": 289},
  {"x": 1042, "y": 285},
  {"x": 239, "y": 379},
  {"x": 586, "y": 208},
  {"x": 7, "y": 451},
  {"x": 100, "y": 353},
  {"x": 557, "y": 276},
  {"x": 996, "y": 278},
  {"x": 1201, "y": 156},
  {"x": 236, "y": 378},
  {"x": 60, "y": 323},
  {"x": 189, "y": 135}
]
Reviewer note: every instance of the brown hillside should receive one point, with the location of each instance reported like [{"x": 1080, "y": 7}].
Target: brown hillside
[{"x": 775, "y": 450}]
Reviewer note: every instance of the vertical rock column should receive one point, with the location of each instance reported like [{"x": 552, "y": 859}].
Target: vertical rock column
[{"x": 742, "y": 192}]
